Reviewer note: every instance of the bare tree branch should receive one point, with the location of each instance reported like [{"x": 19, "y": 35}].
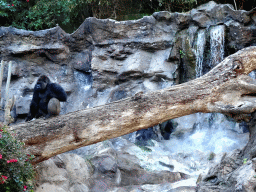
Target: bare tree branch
[{"x": 225, "y": 89}]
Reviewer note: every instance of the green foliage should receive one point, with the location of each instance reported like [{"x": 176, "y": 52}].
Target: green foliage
[
  {"x": 47, "y": 13},
  {"x": 144, "y": 148},
  {"x": 69, "y": 14},
  {"x": 211, "y": 156},
  {"x": 244, "y": 160},
  {"x": 182, "y": 54},
  {"x": 178, "y": 5},
  {"x": 13, "y": 13},
  {"x": 5, "y": 8},
  {"x": 16, "y": 172}
]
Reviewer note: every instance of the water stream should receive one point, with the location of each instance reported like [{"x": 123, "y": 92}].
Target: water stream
[
  {"x": 211, "y": 132},
  {"x": 202, "y": 133},
  {"x": 199, "y": 52},
  {"x": 217, "y": 40},
  {"x": 83, "y": 91}
]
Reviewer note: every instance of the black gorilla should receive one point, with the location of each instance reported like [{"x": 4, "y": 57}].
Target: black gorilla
[{"x": 46, "y": 99}]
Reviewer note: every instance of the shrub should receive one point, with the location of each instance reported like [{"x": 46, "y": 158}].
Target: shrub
[{"x": 16, "y": 171}]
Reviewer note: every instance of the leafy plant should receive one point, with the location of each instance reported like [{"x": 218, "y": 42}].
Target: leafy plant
[
  {"x": 16, "y": 171},
  {"x": 5, "y": 8},
  {"x": 182, "y": 54},
  {"x": 178, "y": 5},
  {"x": 69, "y": 14},
  {"x": 47, "y": 13},
  {"x": 211, "y": 156},
  {"x": 144, "y": 148}
]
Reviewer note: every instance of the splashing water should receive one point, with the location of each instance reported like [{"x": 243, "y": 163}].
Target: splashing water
[{"x": 212, "y": 133}]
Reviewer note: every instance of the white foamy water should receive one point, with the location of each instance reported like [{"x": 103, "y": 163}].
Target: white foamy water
[
  {"x": 199, "y": 51},
  {"x": 217, "y": 41}
]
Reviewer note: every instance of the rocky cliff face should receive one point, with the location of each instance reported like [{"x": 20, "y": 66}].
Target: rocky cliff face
[
  {"x": 117, "y": 59},
  {"x": 105, "y": 60}
]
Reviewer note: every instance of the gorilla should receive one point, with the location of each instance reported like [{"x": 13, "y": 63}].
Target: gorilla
[{"x": 46, "y": 99}]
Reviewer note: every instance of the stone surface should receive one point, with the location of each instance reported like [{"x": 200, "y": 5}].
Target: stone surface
[
  {"x": 50, "y": 175},
  {"x": 122, "y": 58},
  {"x": 77, "y": 168},
  {"x": 49, "y": 188},
  {"x": 105, "y": 61},
  {"x": 64, "y": 172},
  {"x": 79, "y": 188}
]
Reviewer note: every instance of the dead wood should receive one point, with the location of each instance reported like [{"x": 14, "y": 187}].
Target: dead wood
[{"x": 225, "y": 89}]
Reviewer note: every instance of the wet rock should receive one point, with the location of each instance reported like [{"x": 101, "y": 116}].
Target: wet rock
[
  {"x": 105, "y": 164},
  {"x": 166, "y": 129},
  {"x": 105, "y": 61},
  {"x": 144, "y": 136},
  {"x": 184, "y": 52},
  {"x": 171, "y": 167},
  {"x": 244, "y": 128}
]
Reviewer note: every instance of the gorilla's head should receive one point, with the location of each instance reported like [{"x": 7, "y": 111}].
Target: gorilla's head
[{"x": 42, "y": 83}]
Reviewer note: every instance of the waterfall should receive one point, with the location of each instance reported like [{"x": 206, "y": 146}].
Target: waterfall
[
  {"x": 83, "y": 92},
  {"x": 217, "y": 40},
  {"x": 199, "y": 52},
  {"x": 211, "y": 131},
  {"x": 84, "y": 80}
]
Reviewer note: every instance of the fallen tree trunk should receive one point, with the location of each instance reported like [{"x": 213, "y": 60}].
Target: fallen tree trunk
[{"x": 225, "y": 89}]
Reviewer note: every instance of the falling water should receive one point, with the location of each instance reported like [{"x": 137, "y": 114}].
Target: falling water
[
  {"x": 199, "y": 52},
  {"x": 211, "y": 132},
  {"x": 84, "y": 90},
  {"x": 217, "y": 40},
  {"x": 200, "y": 44}
]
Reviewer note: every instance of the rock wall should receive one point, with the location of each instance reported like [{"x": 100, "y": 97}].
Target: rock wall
[{"x": 106, "y": 60}]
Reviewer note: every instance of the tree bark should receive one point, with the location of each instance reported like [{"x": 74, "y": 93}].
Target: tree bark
[{"x": 225, "y": 89}]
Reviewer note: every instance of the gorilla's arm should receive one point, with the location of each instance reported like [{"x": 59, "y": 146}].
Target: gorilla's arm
[
  {"x": 34, "y": 106},
  {"x": 57, "y": 92}
]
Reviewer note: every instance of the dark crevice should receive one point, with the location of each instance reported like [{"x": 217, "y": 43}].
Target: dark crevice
[{"x": 250, "y": 94}]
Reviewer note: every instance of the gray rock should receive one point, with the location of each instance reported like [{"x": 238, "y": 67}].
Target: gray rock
[
  {"x": 105, "y": 164},
  {"x": 81, "y": 61},
  {"x": 105, "y": 61},
  {"x": 49, "y": 188},
  {"x": 79, "y": 188},
  {"x": 77, "y": 168},
  {"x": 23, "y": 105}
]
